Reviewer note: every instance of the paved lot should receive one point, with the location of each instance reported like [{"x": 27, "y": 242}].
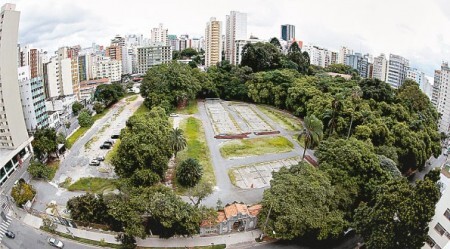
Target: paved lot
[
  {"x": 220, "y": 118},
  {"x": 251, "y": 118},
  {"x": 258, "y": 175}
]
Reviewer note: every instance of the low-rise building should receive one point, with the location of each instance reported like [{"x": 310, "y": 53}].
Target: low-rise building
[
  {"x": 53, "y": 119},
  {"x": 150, "y": 56}
]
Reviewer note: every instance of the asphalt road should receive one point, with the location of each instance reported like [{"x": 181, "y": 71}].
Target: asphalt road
[{"x": 30, "y": 238}]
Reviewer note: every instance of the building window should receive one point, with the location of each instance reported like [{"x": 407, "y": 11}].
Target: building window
[
  {"x": 447, "y": 213},
  {"x": 440, "y": 229},
  {"x": 430, "y": 242}
]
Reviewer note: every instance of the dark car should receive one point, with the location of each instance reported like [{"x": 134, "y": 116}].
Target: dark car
[
  {"x": 10, "y": 234},
  {"x": 100, "y": 158},
  {"x": 105, "y": 146},
  {"x": 115, "y": 136},
  {"x": 111, "y": 142}
]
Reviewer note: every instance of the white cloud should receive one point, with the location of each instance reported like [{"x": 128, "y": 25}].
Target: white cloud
[{"x": 415, "y": 29}]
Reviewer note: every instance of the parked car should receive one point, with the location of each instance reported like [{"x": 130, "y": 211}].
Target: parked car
[
  {"x": 111, "y": 142},
  {"x": 105, "y": 146},
  {"x": 115, "y": 136},
  {"x": 100, "y": 158},
  {"x": 173, "y": 115},
  {"x": 94, "y": 162},
  {"x": 10, "y": 234},
  {"x": 56, "y": 243}
]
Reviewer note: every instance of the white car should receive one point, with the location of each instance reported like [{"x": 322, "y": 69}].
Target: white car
[
  {"x": 56, "y": 243},
  {"x": 173, "y": 115}
]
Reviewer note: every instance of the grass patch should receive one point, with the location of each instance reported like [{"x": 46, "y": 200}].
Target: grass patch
[
  {"x": 191, "y": 108},
  {"x": 82, "y": 240},
  {"x": 66, "y": 183},
  {"x": 112, "y": 152},
  {"x": 76, "y": 135},
  {"x": 93, "y": 185},
  {"x": 256, "y": 146},
  {"x": 286, "y": 121},
  {"x": 232, "y": 176},
  {"x": 54, "y": 166},
  {"x": 196, "y": 148},
  {"x": 221, "y": 246},
  {"x": 131, "y": 99},
  {"x": 141, "y": 110},
  {"x": 89, "y": 143}
]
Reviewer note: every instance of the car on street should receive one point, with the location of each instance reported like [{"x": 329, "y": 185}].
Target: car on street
[
  {"x": 173, "y": 115},
  {"x": 10, "y": 234},
  {"x": 105, "y": 146},
  {"x": 94, "y": 162},
  {"x": 111, "y": 142},
  {"x": 115, "y": 136},
  {"x": 100, "y": 158},
  {"x": 56, "y": 243}
]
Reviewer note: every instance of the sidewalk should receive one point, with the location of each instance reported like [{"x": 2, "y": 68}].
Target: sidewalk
[{"x": 229, "y": 239}]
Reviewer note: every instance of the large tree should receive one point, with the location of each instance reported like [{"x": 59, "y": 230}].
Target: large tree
[
  {"x": 189, "y": 172},
  {"x": 178, "y": 140},
  {"x": 109, "y": 94},
  {"x": 398, "y": 214},
  {"x": 145, "y": 144},
  {"x": 301, "y": 202},
  {"x": 85, "y": 118},
  {"x": 261, "y": 56},
  {"x": 45, "y": 142},
  {"x": 170, "y": 85}
]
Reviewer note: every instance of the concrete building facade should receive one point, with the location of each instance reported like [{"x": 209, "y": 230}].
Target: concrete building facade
[
  {"x": 236, "y": 29},
  {"x": 443, "y": 98},
  {"x": 213, "y": 42},
  {"x": 397, "y": 68},
  {"x": 15, "y": 144},
  {"x": 380, "y": 67},
  {"x": 343, "y": 52},
  {"x": 288, "y": 32},
  {"x": 108, "y": 68},
  {"x": 358, "y": 62},
  {"x": 159, "y": 36},
  {"x": 148, "y": 57}
]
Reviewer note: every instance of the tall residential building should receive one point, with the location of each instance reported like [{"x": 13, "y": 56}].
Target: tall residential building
[
  {"x": 114, "y": 52},
  {"x": 288, "y": 32},
  {"x": 67, "y": 67},
  {"x": 396, "y": 70},
  {"x": 417, "y": 76},
  {"x": 380, "y": 67},
  {"x": 15, "y": 145},
  {"x": 343, "y": 52},
  {"x": 236, "y": 29},
  {"x": 213, "y": 42},
  {"x": 320, "y": 56},
  {"x": 148, "y": 57},
  {"x": 33, "y": 99},
  {"x": 443, "y": 100},
  {"x": 359, "y": 62},
  {"x": 439, "y": 226},
  {"x": 108, "y": 68},
  {"x": 173, "y": 42},
  {"x": 159, "y": 36},
  {"x": 436, "y": 88}
]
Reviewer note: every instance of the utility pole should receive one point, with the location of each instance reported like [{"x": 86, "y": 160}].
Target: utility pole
[{"x": 265, "y": 223}]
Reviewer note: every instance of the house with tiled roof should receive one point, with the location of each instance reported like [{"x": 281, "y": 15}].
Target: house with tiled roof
[{"x": 235, "y": 217}]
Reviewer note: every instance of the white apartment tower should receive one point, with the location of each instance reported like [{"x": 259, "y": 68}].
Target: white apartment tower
[
  {"x": 14, "y": 141},
  {"x": 236, "y": 29},
  {"x": 443, "y": 99},
  {"x": 396, "y": 70},
  {"x": 159, "y": 36},
  {"x": 213, "y": 42},
  {"x": 380, "y": 67},
  {"x": 343, "y": 52}
]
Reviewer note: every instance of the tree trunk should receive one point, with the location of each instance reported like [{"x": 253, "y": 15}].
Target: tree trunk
[
  {"x": 350, "y": 127},
  {"x": 304, "y": 151}
]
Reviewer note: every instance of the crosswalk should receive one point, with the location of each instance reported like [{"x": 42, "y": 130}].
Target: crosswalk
[{"x": 4, "y": 226}]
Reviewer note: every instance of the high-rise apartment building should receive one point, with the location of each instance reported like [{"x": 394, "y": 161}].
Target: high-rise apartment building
[
  {"x": 397, "y": 68},
  {"x": 15, "y": 145},
  {"x": 213, "y": 42},
  {"x": 443, "y": 98},
  {"x": 320, "y": 56},
  {"x": 236, "y": 29},
  {"x": 32, "y": 97},
  {"x": 108, "y": 68},
  {"x": 439, "y": 226},
  {"x": 159, "y": 36},
  {"x": 148, "y": 57},
  {"x": 417, "y": 76},
  {"x": 436, "y": 88},
  {"x": 288, "y": 32},
  {"x": 359, "y": 62},
  {"x": 343, "y": 52},
  {"x": 380, "y": 67}
]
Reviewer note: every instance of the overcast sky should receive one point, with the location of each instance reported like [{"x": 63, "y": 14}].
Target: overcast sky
[{"x": 416, "y": 29}]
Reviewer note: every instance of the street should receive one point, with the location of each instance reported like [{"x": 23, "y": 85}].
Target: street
[{"x": 30, "y": 238}]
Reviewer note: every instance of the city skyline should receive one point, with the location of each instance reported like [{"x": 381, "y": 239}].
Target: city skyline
[{"x": 378, "y": 27}]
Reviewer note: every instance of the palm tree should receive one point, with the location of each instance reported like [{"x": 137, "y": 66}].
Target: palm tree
[
  {"x": 356, "y": 96},
  {"x": 178, "y": 141},
  {"x": 312, "y": 132}
]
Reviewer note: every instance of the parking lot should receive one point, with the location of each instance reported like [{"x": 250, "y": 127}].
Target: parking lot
[{"x": 259, "y": 175}]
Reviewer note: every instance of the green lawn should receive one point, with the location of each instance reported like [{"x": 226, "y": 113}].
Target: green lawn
[
  {"x": 93, "y": 184},
  {"x": 191, "y": 108},
  {"x": 286, "y": 121},
  {"x": 112, "y": 152},
  {"x": 54, "y": 166},
  {"x": 255, "y": 146},
  {"x": 196, "y": 148},
  {"x": 141, "y": 110},
  {"x": 132, "y": 98}
]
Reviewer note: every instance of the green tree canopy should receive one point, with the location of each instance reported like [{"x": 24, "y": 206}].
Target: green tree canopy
[
  {"x": 76, "y": 107},
  {"x": 39, "y": 170},
  {"x": 189, "y": 172},
  {"x": 45, "y": 142},
  {"x": 22, "y": 192},
  {"x": 261, "y": 56},
  {"x": 109, "y": 94},
  {"x": 301, "y": 203},
  {"x": 85, "y": 119}
]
